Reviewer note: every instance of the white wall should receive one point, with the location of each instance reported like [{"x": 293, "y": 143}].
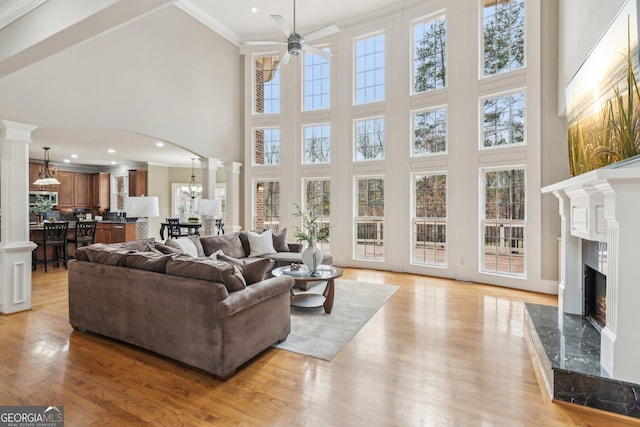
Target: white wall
[{"x": 165, "y": 75}]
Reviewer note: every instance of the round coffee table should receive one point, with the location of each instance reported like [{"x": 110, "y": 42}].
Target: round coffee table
[{"x": 326, "y": 273}]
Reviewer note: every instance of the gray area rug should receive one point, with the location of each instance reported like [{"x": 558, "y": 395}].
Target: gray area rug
[{"x": 317, "y": 334}]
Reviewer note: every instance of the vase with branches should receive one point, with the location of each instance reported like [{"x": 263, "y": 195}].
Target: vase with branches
[
  {"x": 311, "y": 232},
  {"x": 41, "y": 207}
]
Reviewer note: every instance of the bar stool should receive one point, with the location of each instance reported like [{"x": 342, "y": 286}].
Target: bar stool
[
  {"x": 85, "y": 233},
  {"x": 54, "y": 234},
  {"x": 175, "y": 230}
]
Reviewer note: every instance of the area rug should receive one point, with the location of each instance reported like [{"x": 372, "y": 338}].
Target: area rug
[{"x": 317, "y": 334}]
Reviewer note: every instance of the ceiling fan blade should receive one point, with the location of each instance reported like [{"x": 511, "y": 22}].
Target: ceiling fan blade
[
  {"x": 322, "y": 32},
  {"x": 285, "y": 58},
  {"x": 286, "y": 29},
  {"x": 265, "y": 42},
  {"x": 316, "y": 50}
]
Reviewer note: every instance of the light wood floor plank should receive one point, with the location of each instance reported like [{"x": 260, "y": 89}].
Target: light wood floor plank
[{"x": 439, "y": 353}]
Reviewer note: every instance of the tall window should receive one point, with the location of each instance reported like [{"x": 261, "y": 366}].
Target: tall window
[
  {"x": 369, "y": 139},
  {"x": 316, "y": 82},
  {"x": 267, "y": 146},
  {"x": 430, "y": 132},
  {"x": 504, "y": 221},
  {"x": 503, "y": 120},
  {"x": 317, "y": 144},
  {"x": 267, "y": 85},
  {"x": 369, "y": 219},
  {"x": 430, "y": 219},
  {"x": 318, "y": 198},
  {"x": 267, "y": 204},
  {"x": 429, "y": 54},
  {"x": 503, "y": 35},
  {"x": 369, "y": 69}
]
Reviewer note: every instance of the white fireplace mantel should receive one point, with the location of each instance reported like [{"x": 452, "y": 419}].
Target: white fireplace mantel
[{"x": 604, "y": 205}]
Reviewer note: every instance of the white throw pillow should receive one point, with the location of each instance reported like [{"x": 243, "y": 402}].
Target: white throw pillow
[
  {"x": 188, "y": 246},
  {"x": 261, "y": 244}
]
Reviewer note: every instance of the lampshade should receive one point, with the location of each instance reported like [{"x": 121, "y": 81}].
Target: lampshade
[
  {"x": 138, "y": 207},
  {"x": 46, "y": 177},
  {"x": 210, "y": 207}
]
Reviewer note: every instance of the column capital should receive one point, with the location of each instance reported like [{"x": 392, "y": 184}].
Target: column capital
[
  {"x": 17, "y": 132},
  {"x": 232, "y": 166},
  {"x": 210, "y": 163}
]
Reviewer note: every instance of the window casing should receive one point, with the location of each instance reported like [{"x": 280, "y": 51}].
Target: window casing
[
  {"x": 266, "y": 204},
  {"x": 369, "y": 218},
  {"x": 369, "y": 69},
  {"x": 317, "y": 197},
  {"x": 266, "y": 143},
  {"x": 317, "y": 83},
  {"x": 504, "y": 221},
  {"x": 503, "y": 119},
  {"x": 429, "y": 219},
  {"x": 317, "y": 144},
  {"x": 266, "y": 81},
  {"x": 503, "y": 35},
  {"x": 369, "y": 139},
  {"x": 429, "y": 133},
  {"x": 430, "y": 54}
]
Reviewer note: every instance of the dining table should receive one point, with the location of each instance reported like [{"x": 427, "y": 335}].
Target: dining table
[{"x": 193, "y": 228}]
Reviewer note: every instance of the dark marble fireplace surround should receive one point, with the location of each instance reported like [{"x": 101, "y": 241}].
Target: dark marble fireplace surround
[{"x": 567, "y": 350}]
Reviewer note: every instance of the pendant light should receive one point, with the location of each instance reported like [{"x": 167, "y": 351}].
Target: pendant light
[
  {"x": 192, "y": 183},
  {"x": 46, "y": 177}
]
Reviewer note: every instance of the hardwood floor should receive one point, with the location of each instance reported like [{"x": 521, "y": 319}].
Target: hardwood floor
[{"x": 439, "y": 353}]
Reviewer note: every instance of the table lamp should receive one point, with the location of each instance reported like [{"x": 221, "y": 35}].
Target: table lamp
[
  {"x": 210, "y": 209},
  {"x": 142, "y": 208}
]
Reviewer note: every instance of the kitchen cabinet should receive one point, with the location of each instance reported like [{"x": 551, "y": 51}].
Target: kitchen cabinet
[
  {"x": 100, "y": 197},
  {"x": 81, "y": 190},
  {"x": 115, "y": 232},
  {"x": 35, "y": 169},
  {"x": 65, "y": 193},
  {"x": 137, "y": 183}
]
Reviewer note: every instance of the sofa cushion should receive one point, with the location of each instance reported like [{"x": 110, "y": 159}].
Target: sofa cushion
[
  {"x": 207, "y": 269},
  {"x": 260, "y": 244},
  {"x": 135, "y": 245},
  {"x": 229, "y": 244},
  {"x": 149, "y": 261},
  {"x": 151, "y": 247},
  {"x": 280, "y": 241},
  {"x": 187, "y": 245},
  {"x": 253, "y": 269},
  {"x": 108, "y": 254},
  {"x": 81, "y": 254}
]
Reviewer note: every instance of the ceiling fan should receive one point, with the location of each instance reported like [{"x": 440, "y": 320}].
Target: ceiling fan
[{"x": 295, "y": 42}]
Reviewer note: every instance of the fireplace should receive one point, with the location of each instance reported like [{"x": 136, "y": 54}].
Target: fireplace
[{"x": 595, "y": 297}]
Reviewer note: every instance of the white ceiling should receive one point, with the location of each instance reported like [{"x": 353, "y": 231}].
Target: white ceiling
[{"x": 234, "y": 21}]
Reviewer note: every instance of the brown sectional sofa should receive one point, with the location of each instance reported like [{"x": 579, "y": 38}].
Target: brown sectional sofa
[{"x": 208, "y": 313}]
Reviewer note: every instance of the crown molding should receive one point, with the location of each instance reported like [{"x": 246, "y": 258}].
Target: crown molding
[
  {"x": 14, "y": 9},
  {"x": 188, "y": 7}
]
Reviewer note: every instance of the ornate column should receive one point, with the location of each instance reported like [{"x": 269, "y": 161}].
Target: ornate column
[
  {"x": 232, "y": 171},
  {"x": 209, "y": 167},
  {"x": 15, "y": 247}
]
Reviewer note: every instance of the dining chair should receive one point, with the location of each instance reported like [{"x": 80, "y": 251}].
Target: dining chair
[
  {"x": 54, "y": 235},
  {"x": 175, "y": 230},
  {"x": 85, "y": 233}
]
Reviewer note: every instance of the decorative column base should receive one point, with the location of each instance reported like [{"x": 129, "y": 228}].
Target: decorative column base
[{"x": 15, "y": 276}]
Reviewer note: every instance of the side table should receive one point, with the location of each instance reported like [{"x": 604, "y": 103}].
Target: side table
[{"x": 326, "y": 273}]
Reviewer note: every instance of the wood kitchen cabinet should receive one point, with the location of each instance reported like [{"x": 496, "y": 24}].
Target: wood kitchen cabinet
[
  {"x": 137, "y": 183},
  {"x": 115, "y": 232},
  {"x": 65, "y": 192},
  {"x": 100, "y": 197},
  {"x": 81, "y": 190}
]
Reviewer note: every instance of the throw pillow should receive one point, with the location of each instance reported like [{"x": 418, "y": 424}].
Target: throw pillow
[
  {"x": 149, "y": 261},
  {"x": 253, "y": 269},
  {"x": 280, "y": 241},
  {"x": 166, "y": 249},
  {"x": 185, "y": 244},
  {"x": 230, "y": 244},
  {"x": 260, "y": 244},
  {"x": 206, "y": 269}
]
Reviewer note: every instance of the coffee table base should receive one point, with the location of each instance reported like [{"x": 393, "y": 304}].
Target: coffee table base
[{"x": 312, "y": 300}]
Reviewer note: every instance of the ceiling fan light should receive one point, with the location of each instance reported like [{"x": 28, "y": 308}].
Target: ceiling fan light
[{"x": 295, "y": 48}]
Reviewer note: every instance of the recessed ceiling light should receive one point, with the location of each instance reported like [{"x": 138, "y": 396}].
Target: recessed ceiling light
[
  {"x": 111, "y": 151},
  {"x": 159, "y": 144},
  {"x": 113, "y": 163},
  {"x": 67, "y": 161},
  {"x": 74, "y": 156},
  {"x": 254, "y": 10}
]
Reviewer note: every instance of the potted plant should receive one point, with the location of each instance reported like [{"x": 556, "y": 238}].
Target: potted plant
[
  {"x": 193, "y": 219},
  {"x": 312, "y": 232},
  {"x": 41, "y": 207}
]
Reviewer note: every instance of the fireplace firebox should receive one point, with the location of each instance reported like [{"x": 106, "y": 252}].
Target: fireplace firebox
[{"x": 595, "y": 297}]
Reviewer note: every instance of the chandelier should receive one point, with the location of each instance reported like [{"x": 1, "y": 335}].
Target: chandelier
[
  {"x": 194, "y": 191},
  {"x": 46, "y": 177}
]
